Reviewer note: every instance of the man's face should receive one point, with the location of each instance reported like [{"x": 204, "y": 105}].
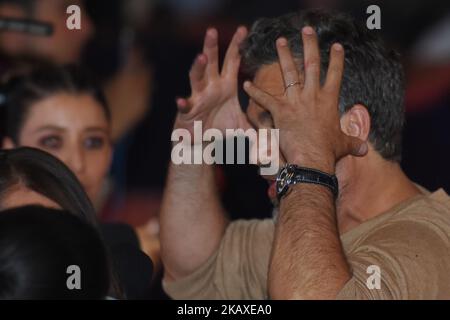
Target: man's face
[
  {"x": 269, "y": 78},
  {"x": 64, "y": 46}
]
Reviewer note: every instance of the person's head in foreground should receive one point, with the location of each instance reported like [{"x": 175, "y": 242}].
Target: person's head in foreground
[
  {"x": 61, "y": 111},
  {"x": 31, "y": 176},
  {"x": 50, "y": 254},
  {"x": 351, "y": 225},
  {"x": 62, "y": 46}
]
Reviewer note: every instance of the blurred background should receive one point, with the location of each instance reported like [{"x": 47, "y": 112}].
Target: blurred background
[{"x": 142, "y": 50}]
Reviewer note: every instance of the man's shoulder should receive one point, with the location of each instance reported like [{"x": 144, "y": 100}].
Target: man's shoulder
[
  {"x": 422, "y": 222},
  {"x": 427, "y": 208},
  {"x": 440, "y": 197},
  {"x": 425, "y": 217}
]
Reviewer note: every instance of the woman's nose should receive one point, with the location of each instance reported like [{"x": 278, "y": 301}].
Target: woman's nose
[{"x": 76, "y": 162}]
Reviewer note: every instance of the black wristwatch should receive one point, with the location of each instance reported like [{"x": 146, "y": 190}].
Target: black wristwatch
[{"x": 292, "y": 174}]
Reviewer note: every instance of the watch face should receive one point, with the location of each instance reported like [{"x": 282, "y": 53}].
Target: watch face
[
  {"x": 291, "y": 174},
  {"x": 283, "y": 179}
]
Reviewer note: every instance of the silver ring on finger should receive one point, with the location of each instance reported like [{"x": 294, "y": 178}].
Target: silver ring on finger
[{"x": 291, "y": 85}]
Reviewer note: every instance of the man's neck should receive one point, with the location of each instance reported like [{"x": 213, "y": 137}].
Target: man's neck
[{"x": 374, "y": 187}]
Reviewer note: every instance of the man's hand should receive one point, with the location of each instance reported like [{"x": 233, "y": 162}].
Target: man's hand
[
  {"x": 214, "y": 98},
  {"x": 307, "y": 115},
  {"x": 193, "y": 220}
]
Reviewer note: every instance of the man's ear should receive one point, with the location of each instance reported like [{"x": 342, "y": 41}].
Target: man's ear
[
  {"x": 7, "y": 143},
  {"x": 356, "y": 122}
]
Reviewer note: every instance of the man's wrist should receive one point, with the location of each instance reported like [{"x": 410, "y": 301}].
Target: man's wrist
[
  {"x": 291, "y": 175},
  {"x": 316, "y": 161},
  {"x": 300, "y": 188}
]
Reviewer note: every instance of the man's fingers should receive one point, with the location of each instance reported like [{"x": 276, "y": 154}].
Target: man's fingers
[
  {"x": 211, "y": 50},
  {"x": 288, "y": 66},
  {"x": 263, "y": 99},
  {"x": 197, "y": 73},
  {"x": 183, "y": 105},
  {"x": 311, "y": 59},
  {"x": 232, "y": 57},
  {"x": 335, "y": 70}
]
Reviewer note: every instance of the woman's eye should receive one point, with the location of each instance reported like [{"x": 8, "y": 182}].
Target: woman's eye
[
  {"x": 94, "y": 143},
  {"x": 51, "y": 142}
]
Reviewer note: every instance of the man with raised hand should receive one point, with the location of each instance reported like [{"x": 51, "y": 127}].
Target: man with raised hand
[{"x": 345, "y": 207}]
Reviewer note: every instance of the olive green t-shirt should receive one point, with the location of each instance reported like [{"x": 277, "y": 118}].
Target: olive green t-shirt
[{"x": 409, "y": 244}]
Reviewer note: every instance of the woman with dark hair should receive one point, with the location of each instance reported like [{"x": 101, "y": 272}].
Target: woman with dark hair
[
  {"x": 50, "y": 254},
  {"x": 31, "y": 176},
  {"x": 60, "y": 110}
]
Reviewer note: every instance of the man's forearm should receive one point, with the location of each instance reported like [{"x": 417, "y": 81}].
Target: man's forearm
[
  {"x": 307, "y": 257},
  {"x": 192, "y": 219}
]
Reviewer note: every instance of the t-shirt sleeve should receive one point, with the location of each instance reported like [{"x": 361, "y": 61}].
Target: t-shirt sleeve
[
  {"x": 238, "y": 270},
  {"x": 411, "y": 258}
]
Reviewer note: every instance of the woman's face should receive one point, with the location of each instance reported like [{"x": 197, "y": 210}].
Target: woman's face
[{"x": 74, "y": 129}]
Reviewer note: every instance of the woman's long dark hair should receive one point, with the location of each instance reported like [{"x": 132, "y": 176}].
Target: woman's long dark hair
[
  {"x": 42, "y": 173},
  {"x": 39, "y": 171},
  {"x": 38, "y": 248}
]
